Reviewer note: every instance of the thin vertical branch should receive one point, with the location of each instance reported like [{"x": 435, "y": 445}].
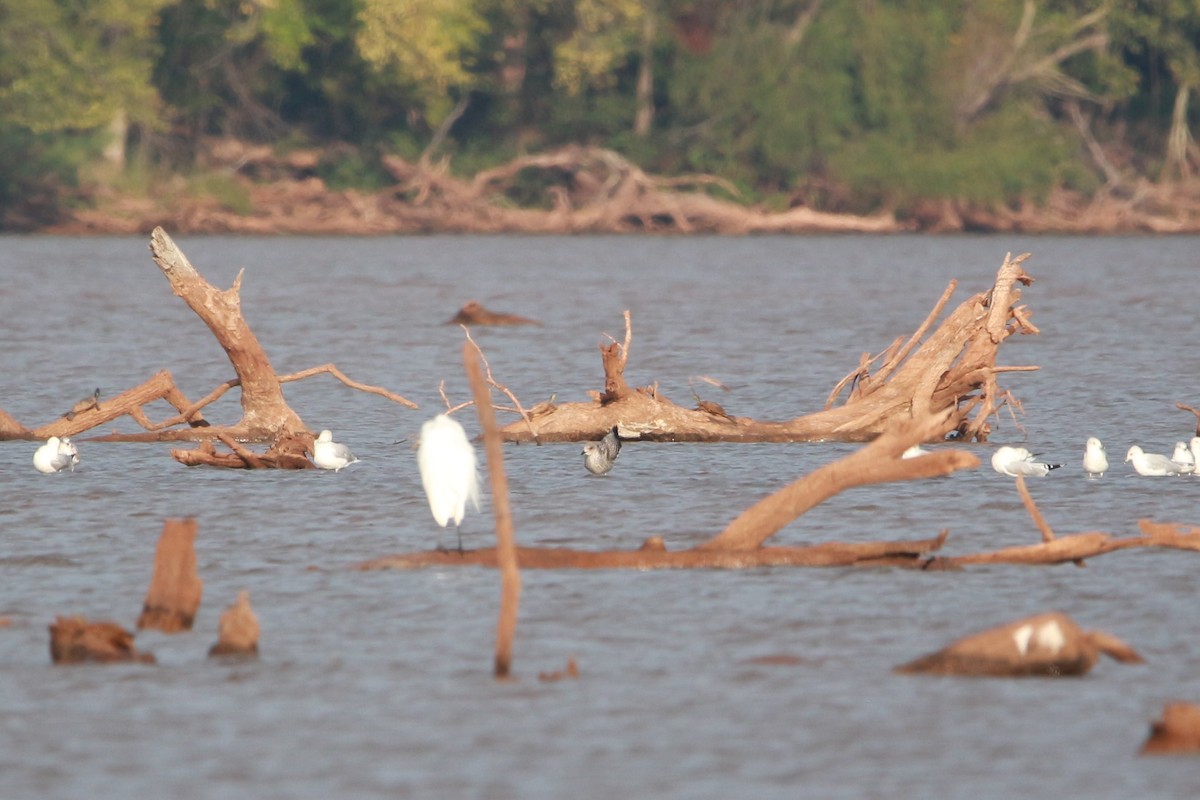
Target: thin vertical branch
[
  {"x": 1031, "y": 507},
  {"x": 506, "y": 551}
]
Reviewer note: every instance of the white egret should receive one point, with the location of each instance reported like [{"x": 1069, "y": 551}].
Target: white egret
[
  {"x": 1153, "y": 464},
  {"x": 598, "y": 457},
  {"x": 448, "y": 472},
  {"x": 55, "y": 456},
  {"x": 1015, "y": 461},
  {"x": 328, "y": 454},
  {"x": 1095, "y": 460}
]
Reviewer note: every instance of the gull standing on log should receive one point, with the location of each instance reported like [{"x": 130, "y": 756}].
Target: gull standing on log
[
  {"x": 55, "y": 456},
  {"x": 448, "y": 472},
  {"x": 598, "y": 457},
  {"x": 328, "y": 454},
  {"x": 1014, "y": 461},
  {"x": 1153, "y": 464},
  {"x": 1095, "y": 460}
]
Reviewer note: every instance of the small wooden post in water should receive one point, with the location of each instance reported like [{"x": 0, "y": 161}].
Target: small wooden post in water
[
  {"x": 506, "y": 551},
  {"x": 237, "y": 632},
  {"x": 175, "y": 588}
]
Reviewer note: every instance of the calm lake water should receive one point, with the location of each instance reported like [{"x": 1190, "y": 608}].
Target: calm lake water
[{"x": 378, "y": 684}]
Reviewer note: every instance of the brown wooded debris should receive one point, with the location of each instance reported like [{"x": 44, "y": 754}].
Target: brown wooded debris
[
  {"x": 175, "y": 588},
  {"x": 506, "y": 549},
  {"x": 1177, "y": 732},
  {"x": 949, "y": 368},
  {"x": 572, "y": 672},
  {"x": 74, "y": 640},
  {"x": 473, "y": 313},
  {"x": 237, "y": 631},
  {"x": 1050, "y": 645},
  {"x": 266, "y": 416}
]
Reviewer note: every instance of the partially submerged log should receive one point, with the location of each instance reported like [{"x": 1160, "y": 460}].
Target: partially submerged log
[
  {"x": 175, "y": 588},
  {"x": 74, "y": 640},
  {"x": 473, "y": 313},
  {"x": 1049, "y": 645},
  {"x": 237, "y": 630},
  {"x": 950, "y": 372},
  {"x": 1177, "y": 732}
]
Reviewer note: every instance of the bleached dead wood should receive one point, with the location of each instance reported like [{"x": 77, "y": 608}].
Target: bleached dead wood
[
  {"x": 950, "y": 372},
  {"x": 266, "y": 416}
]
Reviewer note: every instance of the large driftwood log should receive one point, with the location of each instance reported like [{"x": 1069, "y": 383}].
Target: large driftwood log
[
  {"x": 266, "y": 416},
  {"x": 1049, "y": 645},
  {"x": 950, "y": 373}
]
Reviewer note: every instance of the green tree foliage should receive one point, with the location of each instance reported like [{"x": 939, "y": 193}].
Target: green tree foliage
[
  {"x": 67, "y": 70},
  {"x": 845, "y": 105},
  {"x": 429, "y": 45}
]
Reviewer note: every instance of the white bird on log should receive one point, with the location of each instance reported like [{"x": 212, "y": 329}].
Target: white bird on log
[
  {"x": 598, "y": 457},
  {"x": 1015, "y": 461},
  {"x": 55, "y": 456},
  {"x": 1095, "y": 460},
  {"x": 328, "y": 454},
  {"x": 1184, "y": 458},
  {"x": 1153, "y": 464},
  {"x": 449, "y": 474}
]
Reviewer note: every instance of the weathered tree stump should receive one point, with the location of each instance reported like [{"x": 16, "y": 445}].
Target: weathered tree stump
[
  {"x": 237, "y": 630},
  {"x": 74, "y": 640},
  {"x": 1050, "y": 645},
  {"x": 1177, "y": 732},
  {"x": 175, "y": 588}
]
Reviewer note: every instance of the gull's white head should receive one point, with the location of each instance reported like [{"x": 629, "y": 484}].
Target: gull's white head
[
  {"x": 1133, "y": 453},
  {"x": 326, "y": 436}
]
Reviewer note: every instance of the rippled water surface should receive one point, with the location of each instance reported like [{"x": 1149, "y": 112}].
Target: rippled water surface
[{"x": 377, "y": 684}]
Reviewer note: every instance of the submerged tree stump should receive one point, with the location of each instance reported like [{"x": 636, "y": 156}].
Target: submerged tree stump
[
  {"x": 74, "y": 640},
  {"x": 237, "y": 630},
  {"x": 950, "y": 371},
  {"x": 175, "y": 588},
  {"x": 1177, "y": 732}
]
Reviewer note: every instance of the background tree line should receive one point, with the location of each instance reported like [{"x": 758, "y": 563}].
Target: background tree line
[{"x": 850, "y": 105}]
